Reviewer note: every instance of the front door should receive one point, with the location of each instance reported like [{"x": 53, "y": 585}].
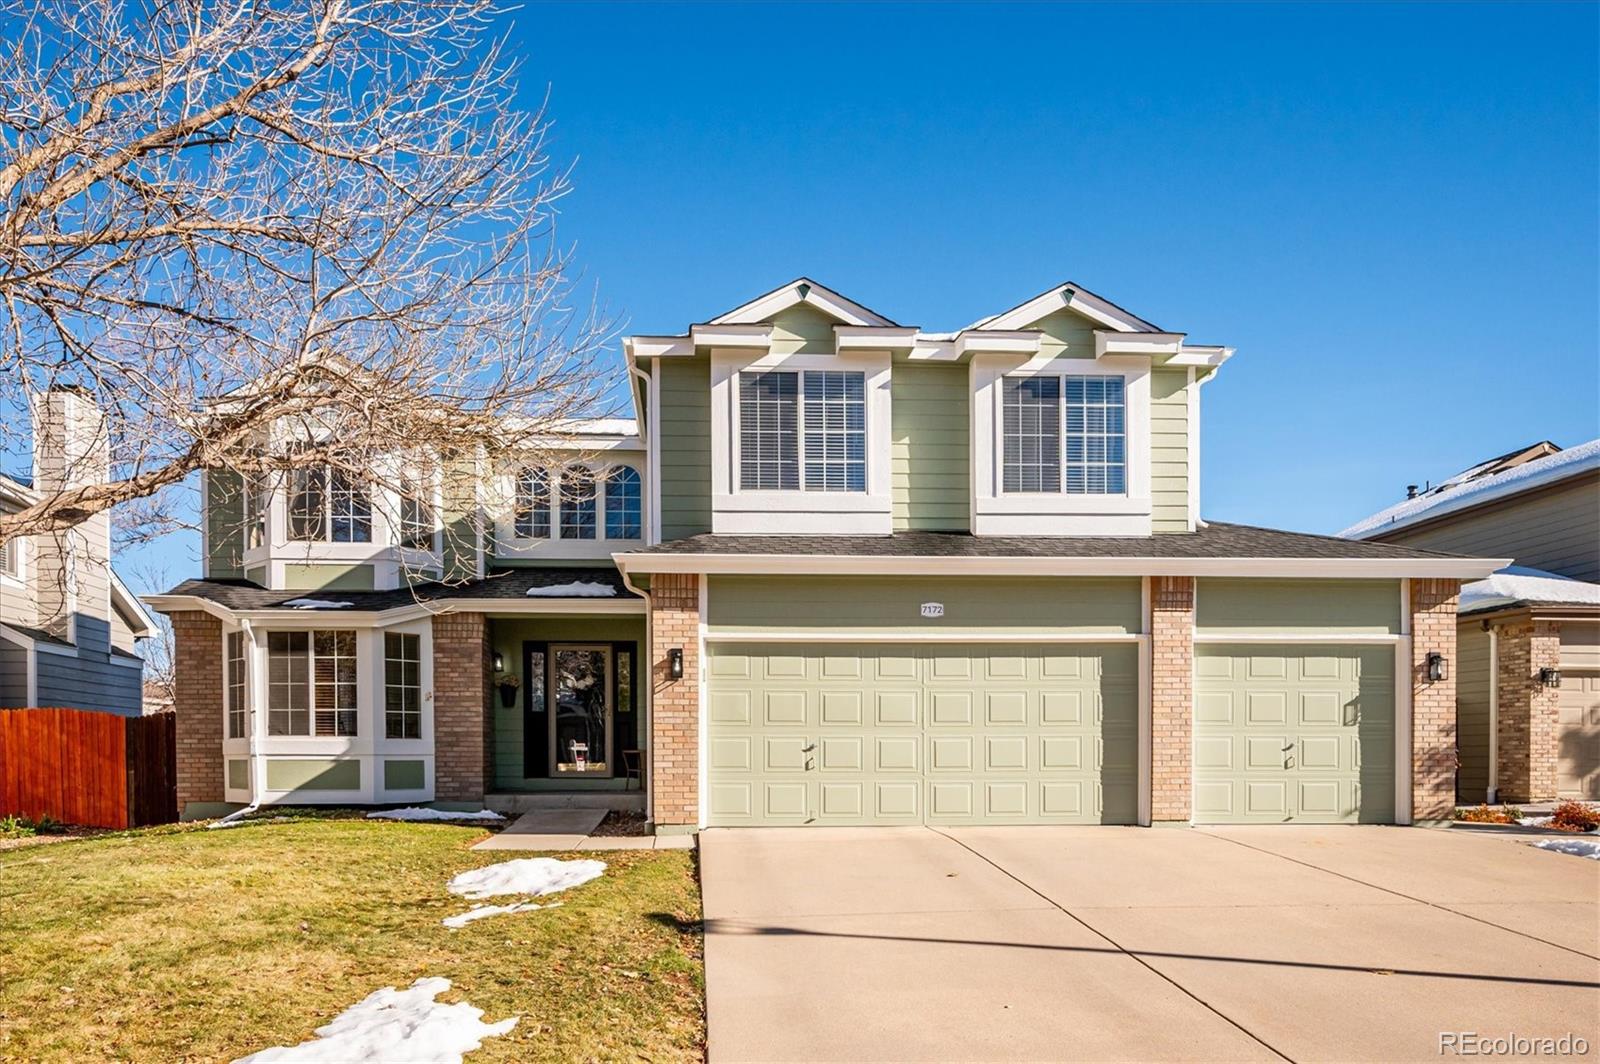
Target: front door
[{"x": 580, "y": 718}]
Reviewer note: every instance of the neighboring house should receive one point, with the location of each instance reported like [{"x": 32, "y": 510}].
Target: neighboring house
[
  {"x": 1528, "y": 688},
  {"x": 842, "y": 571},
  {"x": 68, "y": 626}
]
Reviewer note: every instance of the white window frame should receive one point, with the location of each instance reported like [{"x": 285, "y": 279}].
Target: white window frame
[
  {"x": 1063, "y": 434},
  {"x": 802, "y": 408},
  {"x": 311, "y": 683},
  {"x": 510, "y": 545},
  {"x": 18, "y": 546},
  {"x": 736, "y": 510},
  {"x": 1057, "y": 513},
  {"x": 383, "y": 701}
]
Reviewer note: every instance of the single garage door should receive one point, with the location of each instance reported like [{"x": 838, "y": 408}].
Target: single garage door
[
  {"x": 1578, "y": 737},
  {"x": 899, "y": 734},
  {"x": 1294, "y": 733}
]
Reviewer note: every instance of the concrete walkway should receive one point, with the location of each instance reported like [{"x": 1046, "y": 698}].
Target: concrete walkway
[
  {"x": 1272, "y": 943},
  {"x": 569, "y": 829}
]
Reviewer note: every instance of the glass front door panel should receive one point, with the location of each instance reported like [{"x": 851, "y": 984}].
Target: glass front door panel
[{"x": 581, "y": 724}]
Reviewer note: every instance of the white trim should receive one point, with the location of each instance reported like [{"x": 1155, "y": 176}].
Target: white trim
[
  {"x": 644, "y": 668},
  {"x": 1072, "y": 297},
  {"x": 756, "y": 337},
  {"x": 785, "y": 296},
  {"x": 703, "y": 715},
  {"x": 998, "y": 342},
  {"x": 1361, "y": 638},
  {"x": 895, "y": 565},
  {"x": 1493, "y": 794},
  {"x": 1146, "y": 732},
  {"x": 1192, "y": 397},
  {"x": 874, "y": 337},
  {"x": 932, "y": 635},
  {"x": 1111, "y": 342},
  {"x": 1403, "y": 739},
  {"x": 637, "y": 347},
  {"x": 130, "y": 603}
]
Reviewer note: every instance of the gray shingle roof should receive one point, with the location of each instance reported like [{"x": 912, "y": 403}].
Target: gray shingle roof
[
  {"x": 499, "y": 584},
  {"x": 1216, "y": 540}
]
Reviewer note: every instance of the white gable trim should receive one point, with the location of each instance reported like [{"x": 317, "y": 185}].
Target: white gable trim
[
  {"x": 801, "y": 290},
  {"x": 1075, "y": 298}
]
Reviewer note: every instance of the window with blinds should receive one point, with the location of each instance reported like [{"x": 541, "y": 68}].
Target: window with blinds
[
  {"x": 1031, "y": 416},
  {"x": 311, "y": 683},
  {"x": 836, "y": 431},
  {"x": 1097, "y": 438},
  {"x": 402, "y": 692},
  {"x": 769, "y": 444},
  {"x": 9, "y": 550},
  {"x": 1064, "y": 434},
  {"x": 333, "y": 682},
  {"x": 814, "y": 422}
]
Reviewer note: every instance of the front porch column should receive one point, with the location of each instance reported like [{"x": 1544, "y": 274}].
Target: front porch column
[
  {"x": 1171, "y": 628},
  {"x": 1529, "y": 711},
  {"x": 675, "y": 704},
  {"x": 461, "y": 732},
  {"x": 1433, "y": 703}
]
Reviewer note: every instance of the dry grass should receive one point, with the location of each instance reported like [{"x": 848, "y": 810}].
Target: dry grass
[{"x": 185, "y": 944}]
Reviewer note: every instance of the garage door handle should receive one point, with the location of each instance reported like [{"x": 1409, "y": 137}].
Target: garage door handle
[{"x": 808, "y": 749}]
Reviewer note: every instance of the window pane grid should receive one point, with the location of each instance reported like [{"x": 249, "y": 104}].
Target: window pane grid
[
  {"x": 351, "y": 508},
  {"x": 769, "y": 447},
  {"x": 1031, "y": 434},
  {"x": 402, "y": 706},
  {"x": 623, "y": 504},
  {"x": 416, "y": 513},
  {"x": 1096, "y": 434},
  {"x": 333, "y": 664},
  {"x": 288, "y": 683},
  {"x": 836, "y": 431},
  {"x": 236, "y": 711},
  {"x": 577, "y": 504},
  {"x": 532, "y": 519}
]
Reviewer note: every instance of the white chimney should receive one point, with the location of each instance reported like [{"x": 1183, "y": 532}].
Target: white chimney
[{"x": 70, "y": 577}]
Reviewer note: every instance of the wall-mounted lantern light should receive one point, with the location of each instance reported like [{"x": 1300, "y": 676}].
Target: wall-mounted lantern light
[
  {"x": 499, "y": 662},
  {"x": 675, "y": 663},
  {"x": 1550, "y": 677},
  {"x": 1436, "y": 667}
]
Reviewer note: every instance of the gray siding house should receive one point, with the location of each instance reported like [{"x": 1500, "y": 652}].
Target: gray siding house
[{"x": 69, "y": 628}]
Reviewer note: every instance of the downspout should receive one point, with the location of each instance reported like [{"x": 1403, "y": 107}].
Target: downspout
[{"x": 1494, "y": 714}]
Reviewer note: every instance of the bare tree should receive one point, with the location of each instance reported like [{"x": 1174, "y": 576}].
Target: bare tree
[{"x": 223, "y": 217}]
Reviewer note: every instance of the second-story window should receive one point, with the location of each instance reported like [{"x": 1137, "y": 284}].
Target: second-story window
[
  {"x": 11, "y": 556},
  {"x": 328, "y": 504},
  {"x": 577, "y": 504},
  {"x": 815, "y": 422},
  {"x": 417, "y": 521},
  {"x": 1086, "y": 413},
  {"x": 532, "y": 505},
  {"x": 623, "y": 503}
]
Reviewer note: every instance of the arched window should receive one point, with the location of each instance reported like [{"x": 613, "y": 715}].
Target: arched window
[
  {"x": 532, "y": 504},
  {"x": 577, "y": 504},
  {"x": 622, "y": 503}
]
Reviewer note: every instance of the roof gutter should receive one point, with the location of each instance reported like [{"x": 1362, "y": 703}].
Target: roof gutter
[
  {"x": 927, "y": 565},
  {"x": 532, "y": 605}
]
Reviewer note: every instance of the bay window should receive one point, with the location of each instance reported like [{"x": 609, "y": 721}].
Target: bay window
[
  {"x": 327, "y": 503},
  {"x": 402, "y": 685},
  {"x": 417, "y": 520},
  {"x": 236, "y": 695},
  {"x": 311, "y": 683}
]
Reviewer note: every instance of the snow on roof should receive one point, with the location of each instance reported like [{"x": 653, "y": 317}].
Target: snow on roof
[
  {"x": 577, "y": 589},
  {"x": 1464, "y": 490},
  {"x": 1534, "y": 587},
  {"x": 598, "y": 426}
]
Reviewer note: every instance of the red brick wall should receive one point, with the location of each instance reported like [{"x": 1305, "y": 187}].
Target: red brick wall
[
  {"x": 675, "y": 704},
  {"x": 461, "y": 734},
  {"x": 197, "y": 700},
  {"x": 1433, "y": 705},
  {"x": 1529, "y": 711},
  {"x": 1171, "y": 695}
]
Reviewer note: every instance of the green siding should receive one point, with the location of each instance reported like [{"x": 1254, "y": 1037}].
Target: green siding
[
  {"x": 1066, "y": 334},
  {"x": 1169, "y": 450},
  {"x": 238, "y": 774},
  {"x": 507, "y": 638},
  {"x": 803, "y": 329},
  {"x": 258, "y": 575},
  {"x": 929, "y": 457},
  {"x": 298, "y": 577},
  {"x": 1301, "y": 607},
  {"x": 459, "y": 543},
  {"x": 308, "y": 774},
  {"x": 224, "y": 524},
  {"x": 404, "y": 775},
  {"x": 685, "y": 458},
  {"x": 1472, "y": 713},
  {"x": 999, "y": 605}
]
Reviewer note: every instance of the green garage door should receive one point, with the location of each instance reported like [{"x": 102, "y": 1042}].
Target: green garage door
[
  {"x": 899, "y": 734},
  {"x": 1294, "y": 733}
]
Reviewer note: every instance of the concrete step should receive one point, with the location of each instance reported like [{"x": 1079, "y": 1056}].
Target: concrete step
[{"x": 528, "y": 802}]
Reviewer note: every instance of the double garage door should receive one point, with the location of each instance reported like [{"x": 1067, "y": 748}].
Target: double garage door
[{"x": 900, "y": 734}]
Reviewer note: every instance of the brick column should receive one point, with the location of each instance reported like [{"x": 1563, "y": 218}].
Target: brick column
[
  {"x": 197, "y": 700},
  {"x": 1171, "y": 630},
  {"x": 1528, "y": 710},
  {"x": 1433, "y": 705},
  {"x": 461, "y": 735},
  {"x": 675, "y": 704}
]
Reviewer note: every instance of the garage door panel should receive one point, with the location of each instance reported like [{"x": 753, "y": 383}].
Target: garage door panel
[
  {"x": 729, "y": 707},
  {"x": 732, "y": 754},
  {"x": 841, "y": 800},
  {"x": 950, "y": 800},
  {"x": 1006, "y": 708},
  {"x": 1578, "y": 736},
  {"x": 841, "y": 754},
  {"x": 785, "y": 708},
  {"x": 1061, "y": 753},
  {"x": 785, "y": 801},
  {"x": 785, "y": 753},
  {"x": 949, "y": 708},
  {"x": 897, "y": 800},
  {"x": 950, "y": 754},
  {"x": 731, "y": 801},
  {"x": 897, "y": 753},
  {"x": 1063, "y": 708},
  {"x": 897, "y": 708},
  {"x": 841, "y": 707},
  {"x": 1315, "y": 742},
  {"x": 1005, "y": 799},
  {"x": 1006, "y": 753}
]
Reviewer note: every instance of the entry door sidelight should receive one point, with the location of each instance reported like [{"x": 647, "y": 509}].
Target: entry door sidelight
[{"x": 580, "y": 721}]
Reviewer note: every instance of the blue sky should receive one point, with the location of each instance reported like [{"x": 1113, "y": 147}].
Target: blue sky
[{"x": 1390, "y": 211}]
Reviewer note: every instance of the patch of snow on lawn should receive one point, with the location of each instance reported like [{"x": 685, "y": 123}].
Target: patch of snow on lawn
[
  {"x": 534, "y": 876},
  {"x": 419, "y": 813},
  {"x": 581, "y": 589},
  {"x": 478, "y": 912},
  {"x": 315, "y": 604},
  {"x": 394, "y": 1025},
  {"x": 1576, "y": 847}
]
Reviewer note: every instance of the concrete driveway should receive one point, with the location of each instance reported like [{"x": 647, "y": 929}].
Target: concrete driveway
[{"x": 1097, "y": 943}]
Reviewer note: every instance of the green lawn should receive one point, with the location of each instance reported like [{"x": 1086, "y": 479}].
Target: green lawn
[{"x": 187, "y": 944}]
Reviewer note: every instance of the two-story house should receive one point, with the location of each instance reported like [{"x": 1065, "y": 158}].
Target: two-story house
[
  {"x": 839, "y": 571},
  {"x": 1528, "y": 689},
  {"x": 68, "y": 626}
]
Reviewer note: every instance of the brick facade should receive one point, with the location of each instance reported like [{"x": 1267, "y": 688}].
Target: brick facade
[
  {"x": 1171, "y": 627},
  {"x": 1433, "y": 704},
  {"x": 675, "y": 704},
  {"x": 197, "y": 700},
  {"x": 462, "y": 737},
  {"x": 1528, "y": 711}
]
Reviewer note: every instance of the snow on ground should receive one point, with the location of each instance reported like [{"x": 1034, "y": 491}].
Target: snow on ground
[
  {"x": 1534, "y": 821},
  {"x": 419, "y": 813},
  {"x": 1576, "y": 847},
  {"x": 395, "y": 1025},
  {"x": 534, "y": 876},
  {"x": 579, "y": 589},
  {"x": 478, "y": 912},
  {"x": 315, "y": 604},
  {"x": 1518, "y": 583}
]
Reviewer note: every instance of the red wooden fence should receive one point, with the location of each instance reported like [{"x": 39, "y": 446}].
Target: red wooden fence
[{"x": 82, "y": 767}]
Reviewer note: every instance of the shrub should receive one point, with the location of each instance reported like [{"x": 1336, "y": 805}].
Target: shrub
[
  {"x": 1575, "y": 816},
  {"x": 1482, "y": 814}
]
